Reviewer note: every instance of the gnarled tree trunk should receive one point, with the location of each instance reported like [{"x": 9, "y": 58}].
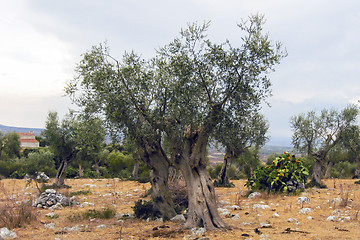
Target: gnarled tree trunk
[
  {"x": 317, "y": 173},
  {"x": 156, "y": 159},
  {"x": 61, "y": 173},
  {"x": 223, "y": 177},
  {"x": 328, "y": 170},
  {"x": 202, "y": 210}
]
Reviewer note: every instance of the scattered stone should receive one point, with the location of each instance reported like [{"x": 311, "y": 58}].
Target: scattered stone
[
  {"x": 301, "y": 200},
  {"x": 275, "y": 215},
  {"x": 292, "y": 220},
  {"x": 331, "y": 218},
  {"x": 336, "y": 200},
  {"x": 264, "y": 237},
  {"x": 235, "y": 217},
  {"x": 225, "y": 213},
  {"x": 6, "y": 233},
  {"x": 222, "y": 210},
  {"x": 293, "y": 185},
  {"x": 234, "y": 207},
  {"x": 89, "y": 185},
  {"x": 84, "y": 204},
  {"x": 265, "y": 225},
  {"x": 50, "y": 225},
  {"x": 178, "y": 219},
  {"x": 159, "y": 220},
  {"x": 41, "y": 176},
  {"x": 254, "y": 195},
  {"x": 260, "y": 206},
  {"x": 310, "y": 218},
  {"x": 75, "y": 228},
  {"x": 196, "y": 232},
  {"x": 305, "y": 210},
  {"x": 105, "y": 185},
  {"x": 102, "y": 226},
  {"x": 57, "y": 206}
]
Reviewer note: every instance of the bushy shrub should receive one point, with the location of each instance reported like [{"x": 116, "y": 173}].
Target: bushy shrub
[
  {"x": 214, "y": 171},
  {"x": 284, "y": 174},
  {"x": 72, "y": 172},
  {"x": 343, "y": 169},
  {"x": 145, "y": 209},
  {"x": 18, "y": 175}
]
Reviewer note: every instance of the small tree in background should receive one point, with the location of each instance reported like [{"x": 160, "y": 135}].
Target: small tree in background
[
  {"x": 315, "y": 135},
  {"x": 238, "y": 133},
  {"x": 76, "y": 134}
]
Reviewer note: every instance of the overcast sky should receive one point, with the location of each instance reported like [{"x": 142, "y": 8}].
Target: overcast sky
[{"x": 42, "y": 41}]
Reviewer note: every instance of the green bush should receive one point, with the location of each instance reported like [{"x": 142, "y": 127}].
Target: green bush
[
  {"x": 145, "y": 209},
  {"x": 88, "y": 173},
  {"x": 277, "y": 176},
  {"x": 18, "y": 175},
  {"x": 72, "y": 172}
]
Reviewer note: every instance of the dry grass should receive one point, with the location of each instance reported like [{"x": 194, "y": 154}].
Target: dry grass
[
  {"x": 121, "y": 195},
  {"x": 15, "y": 214}
]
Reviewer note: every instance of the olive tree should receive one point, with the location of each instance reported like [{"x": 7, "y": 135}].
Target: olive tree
[
  {"x": 120, "y": 90},
  {"x": 75, "y": 135},
  {"x": 351, "y": 142},
  {"x": 202, "y": 81},
  {"x": 183, "y": 93},
  {"x": 237, "y": 134},
  {"x": 316, "y": 134}
]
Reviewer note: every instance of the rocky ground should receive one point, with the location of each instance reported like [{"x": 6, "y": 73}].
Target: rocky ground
[{"x": 315, "y": 214}]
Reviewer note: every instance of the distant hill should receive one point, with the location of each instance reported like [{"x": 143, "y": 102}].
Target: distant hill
[
  {"x": 5, "y": 129},
  {"x": 216, "y": 156}
]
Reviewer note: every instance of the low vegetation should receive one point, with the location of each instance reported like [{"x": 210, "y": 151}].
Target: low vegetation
[{"x": 285, "y": 174}]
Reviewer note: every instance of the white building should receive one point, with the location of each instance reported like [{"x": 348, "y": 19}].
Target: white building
[{"x": 27, "y": 140}]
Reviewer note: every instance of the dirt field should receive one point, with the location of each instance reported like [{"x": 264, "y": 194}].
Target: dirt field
[{"x": 341, "y": 200}]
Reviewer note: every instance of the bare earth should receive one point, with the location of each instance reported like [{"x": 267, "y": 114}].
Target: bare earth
[{"x": 122, "y": 194}]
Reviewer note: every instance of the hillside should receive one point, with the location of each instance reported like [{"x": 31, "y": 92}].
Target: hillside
[
  {"x": 5, "y": 129},
  {"x": 216, "y": 156}
]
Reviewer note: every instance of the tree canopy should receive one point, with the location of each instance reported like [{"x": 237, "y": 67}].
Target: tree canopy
[{"x": 316, "y": 134}]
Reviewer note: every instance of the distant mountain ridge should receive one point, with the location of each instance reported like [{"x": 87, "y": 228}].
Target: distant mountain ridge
[{"x": 5, "y": 129}]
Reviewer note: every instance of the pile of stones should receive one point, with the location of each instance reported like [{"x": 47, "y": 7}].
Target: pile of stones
[
  {"x": 53, "y": 200},
  {"x": 293, "y": 185}
]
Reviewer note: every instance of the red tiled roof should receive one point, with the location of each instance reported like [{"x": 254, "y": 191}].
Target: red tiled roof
[
  {"x": 29, "y": 140},
  {"x": 30, "y": 134}
]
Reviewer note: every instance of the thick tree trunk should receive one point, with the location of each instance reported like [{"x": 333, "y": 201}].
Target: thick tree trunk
[
  {"x": 163, "y": 202},
  {"x": 223, "y": 177},
  {"x": 61, "y": 173},
  {"x": 328, "y": 170},
  {"x": 317, "y": 173},
  {"x": 202, "y": 210},
  {"x": 155, "y": 158}
]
